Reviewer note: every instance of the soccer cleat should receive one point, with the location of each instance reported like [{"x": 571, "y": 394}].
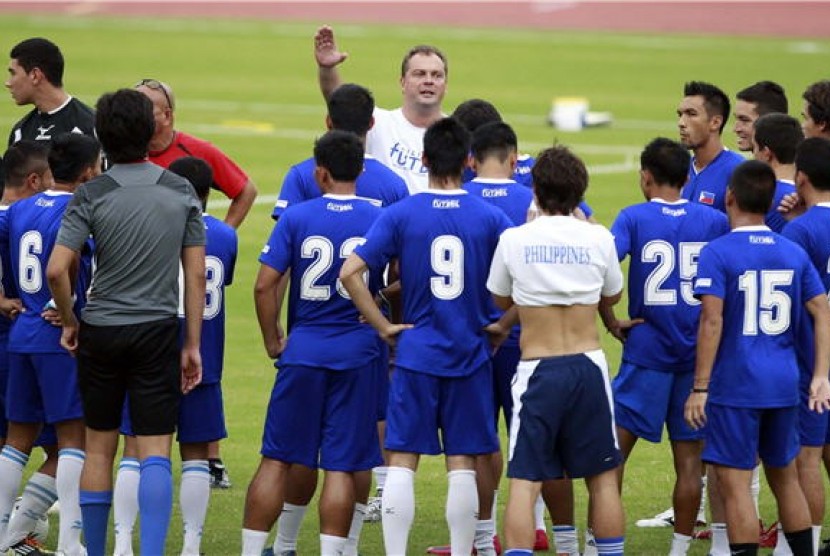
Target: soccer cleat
[
  {"x": 218, "y": 474},
  {"x": 28, "y": 547},
  {"x": 702, "y": 535},
  {"x": 767, "y": 538},
  {"x": 663, "y": 519},
  {"x": 497, "y": 544},
  {"x": 373, "y": 510},
  {"x": 825, "y": 548},
  {"x": 541, "y": 543}
]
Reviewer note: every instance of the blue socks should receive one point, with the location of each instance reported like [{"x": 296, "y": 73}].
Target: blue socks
[
  {"x": 155, "y": 503},
  {"x": 95, "y": 509}
]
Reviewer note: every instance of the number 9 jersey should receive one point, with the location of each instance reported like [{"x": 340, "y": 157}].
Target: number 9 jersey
[{"x": 663, "y": 241}]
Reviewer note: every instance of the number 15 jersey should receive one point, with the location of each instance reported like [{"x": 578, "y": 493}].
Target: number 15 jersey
[
  {"x": 663, "y": 241},
  {"x": 444, "y": 240}
]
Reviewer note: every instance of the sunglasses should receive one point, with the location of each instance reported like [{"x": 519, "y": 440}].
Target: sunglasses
[{"x": 156, "y": 85}]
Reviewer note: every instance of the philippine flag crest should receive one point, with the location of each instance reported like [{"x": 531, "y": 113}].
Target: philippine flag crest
[{"x": 707, "y": 198}]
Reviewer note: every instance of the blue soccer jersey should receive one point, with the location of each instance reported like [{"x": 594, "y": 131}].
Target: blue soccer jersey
[
  {"x": 774, "y": 219},
  {"x": 444, "y": 241},
  {"x": 313, "y": 239},
  {"x": 7, "y": 282},
  {"x": 377, "y": 183},
  {"x": 220, "y": 262},
  {"x": 663, "y": 241},
  {"x": 708, "y": 186},
  {"x": 764, "y": 280},
  {"x": 32, "y": 228}
]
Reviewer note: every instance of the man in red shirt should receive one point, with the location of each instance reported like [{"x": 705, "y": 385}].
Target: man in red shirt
[{"x": 168, "y": 145}]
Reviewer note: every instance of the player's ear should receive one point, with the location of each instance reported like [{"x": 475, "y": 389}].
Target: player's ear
[
  {"x": 329, "y": 124},
  {"x": 371, "y": 123},
  {"x": 715, "y": 123},
  {"x": 425, "y": 161},
  {"x": 322, "y": 177}
]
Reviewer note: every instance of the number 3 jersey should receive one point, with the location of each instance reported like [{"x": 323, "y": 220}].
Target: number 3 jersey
[
  {"x": 31, "y": 228},
  {"x": 663, "y": 241},
  {"x": 313, "y": 239},
  {"x": 444, "y": 240},
  {"x": 764, "y": 280}
]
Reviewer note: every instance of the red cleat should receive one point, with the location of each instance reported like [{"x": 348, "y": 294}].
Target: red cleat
[
  {"x": 440, "y": 550},
  {"x": 541, "y": 544},
  {"x": 768, "y": 538},
  {"x": 702, "y": 535},
  {"x": 497, "y": 544}
]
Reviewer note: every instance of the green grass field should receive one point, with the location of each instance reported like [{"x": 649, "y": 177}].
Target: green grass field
[{"x": 250, "y": 87}]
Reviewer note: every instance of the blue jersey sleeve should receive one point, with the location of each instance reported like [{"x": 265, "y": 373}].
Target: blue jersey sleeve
[
  {"x": 586, "y": 208},
  {"x": 811, "y": 283},
  {"x": 277, "y": 251},
  {"x": 620, "y": 229},
  {"x": 381, "y": 242},
  {"x": 294, "y": 190},
  {"x": 711, "y": 280}
]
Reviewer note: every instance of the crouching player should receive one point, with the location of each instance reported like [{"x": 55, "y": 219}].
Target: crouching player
[
  {"x": 754, "y": 286},
  {"x": 322, "y": 411},
  {"x": 558, "y": 270}
]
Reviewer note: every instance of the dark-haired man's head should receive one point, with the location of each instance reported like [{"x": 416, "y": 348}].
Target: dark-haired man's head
[
  {"x": 350, "y": 108},
  {"x": 494, "y": 140},
  {"x": 559, "y": 180},
  {"x": 702, "y": 114},
  {"x": 197, "y": 172},
  {"x": 339, "y": 158},
  {"x": 816, "y": 112},
  {"x": 26, "y": 169},
  {"x": 124, "y": 124},
  {"x": 664, "y": 162},
  {"x": 763, "y": 97},
  {"x": 776, "y": 135},
  {"x": 74, "y": 158},
  {"x": 476, "y": 112},
  {"x": 751, "y": 187},
  {"x": 33, "y": 63},
  {"x": 446, "y": 147},
  {"x": 812, "y": 163}
]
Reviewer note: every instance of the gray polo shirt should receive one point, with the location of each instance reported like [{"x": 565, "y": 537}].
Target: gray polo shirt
[{"x": 140, "y": 216}]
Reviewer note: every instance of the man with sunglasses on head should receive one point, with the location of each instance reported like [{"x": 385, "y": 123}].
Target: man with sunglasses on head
[{"x": 169, "y": 144}]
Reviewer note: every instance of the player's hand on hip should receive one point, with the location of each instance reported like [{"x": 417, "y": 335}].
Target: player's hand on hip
[
  {"x": 391, "y": 332},
  {"x": 819, "y": 395},
  {"x": 496, "y": 335},
  {"x": 695, "y": 410},
  {"x": 325, "y": 48},
  {"x": 621, "y": 328},
  {"x": 11, "y": 307},
  {"x": 191, "y": 363}
]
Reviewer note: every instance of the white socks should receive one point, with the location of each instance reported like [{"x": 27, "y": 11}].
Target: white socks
[
  {"x": 194, "y": 494},
  {"x": 399, "y": 509},
  {"x": 539, "y": 513},
  {"x": 38, "y": 496},
  {"x": 331, "y": 545},
  {"x": 288, "y": 527},
  {"x": 68, "y": 484},
  {"x": 565, "y": 540},
  {"x": 12, "y": 462},
  {"x": 125, "y": 505},
  {"x": 253, "y": 542},
  {"x": 680, "y": 544},
  {"x": 462, "y": 510},
  {"x": 720, "y": 541},
  {"x": 354, "y": 531}
]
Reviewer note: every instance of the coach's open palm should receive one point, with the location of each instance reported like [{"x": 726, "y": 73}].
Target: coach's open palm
[{"x": 325, "y": 48}]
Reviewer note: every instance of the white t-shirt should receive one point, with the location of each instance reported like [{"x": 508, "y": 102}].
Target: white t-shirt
[
  {"x": 555, "y": 260},
  {"x": 399, "y": 145}
]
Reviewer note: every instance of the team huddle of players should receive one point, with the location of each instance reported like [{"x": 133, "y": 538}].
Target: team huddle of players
[{"x": 436, "y": 277}]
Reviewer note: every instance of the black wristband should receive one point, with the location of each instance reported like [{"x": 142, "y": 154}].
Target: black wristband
[{"x": 700, "y": 390}]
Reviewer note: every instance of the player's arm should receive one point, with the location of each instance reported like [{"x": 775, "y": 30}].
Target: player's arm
[
  {"x": 498, "y": 331},
  {"x": 619, "y": 329},
  {"x": 708, "y": 340},
  {"x": 351, "y": 276},
  {"x": 193, "y": 266},
  {"x": 819, "y": 387},
  {"x": 58, "y": 274},
  {"x": 328, "y": 58},
  {"x": 241, "y": 204},
  {"x": 268, "y": 296}
]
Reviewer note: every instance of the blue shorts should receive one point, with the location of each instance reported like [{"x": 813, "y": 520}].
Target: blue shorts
[
  {"x": 505, "y": 362},
  {"x": 646, "y": 399},
  {"x": 812, "y": 426},
  {"x": 382, "y": 369},
  {"x": 4, "y": 380},
  {"x": 563, "y": 421},
  {"x": 42, "y": 388},
  {"x": 737, "y": 436},
  {"x": 460, "y": 407},
  {"x": 319, "y": 417}
]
